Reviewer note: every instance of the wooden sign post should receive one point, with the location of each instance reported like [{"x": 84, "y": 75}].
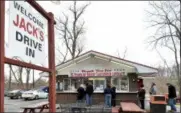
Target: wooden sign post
[{"x": 51, "y": 53}]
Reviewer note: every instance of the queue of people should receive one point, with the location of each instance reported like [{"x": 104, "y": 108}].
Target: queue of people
[
  {"x": 82, "y": 92},
  {"x": 85, "y": 93},
  {"x": 153, "y": 91}
]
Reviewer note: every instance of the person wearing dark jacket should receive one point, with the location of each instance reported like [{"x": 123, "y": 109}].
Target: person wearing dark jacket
[
  {"x": 141, "y": 96},
  {"x": 107, "y": 93},
  {"x": 81, "y": 94},
  {"x": 171, "y": 96},
  {"x": 89, "y": 92},
  {"x": 113, "y": 101}
]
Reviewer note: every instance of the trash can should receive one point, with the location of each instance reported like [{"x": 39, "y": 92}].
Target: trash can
[{"x": 158, "y": 104}]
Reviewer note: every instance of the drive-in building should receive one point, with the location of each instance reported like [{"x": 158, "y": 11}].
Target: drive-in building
[{"x": 100, "y": 69}]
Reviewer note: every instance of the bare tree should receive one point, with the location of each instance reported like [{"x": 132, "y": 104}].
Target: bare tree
[
  {"x": 13, "y": 73},
  {"x": 162, "y": 71},
  {"x": 27, "y": 77},
  {"x": 33, "y": 78},
  {"x": 10, "y": 78},
  {"x": 61, "y": 57},
  {"x": 124, "y": 53},
  {"x": 164, "y": 16},
  {"x": 17, "y": 72},
  {"x": 71, "y": 30},
  {"x": 166, "y": 67}
]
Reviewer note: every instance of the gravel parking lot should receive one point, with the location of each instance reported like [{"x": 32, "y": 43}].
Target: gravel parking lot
[{"x": 14, "y": 105}]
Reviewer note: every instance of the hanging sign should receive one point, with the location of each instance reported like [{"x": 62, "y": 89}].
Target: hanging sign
[{"x": 97, "y": 72}]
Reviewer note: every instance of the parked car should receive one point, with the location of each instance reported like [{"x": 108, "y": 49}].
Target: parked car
[
  {"x": 15, "y": 94},
  {"x": 34, "y": 94},
  {"x": 44, "y": 88}
]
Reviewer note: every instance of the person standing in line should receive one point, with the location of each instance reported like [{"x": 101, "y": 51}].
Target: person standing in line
[
  {"x": 153, "y": 89},
  {"x": 113, "y": 101},
  {"x": 141, "y": 96},
  {"x": 81, "y": 94},
  {"x": 89, "y": 92},
  {"x": 107, "y": 93},
  {"x": 171, "y": 97}
]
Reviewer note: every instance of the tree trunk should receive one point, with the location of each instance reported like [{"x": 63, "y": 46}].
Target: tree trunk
[
  {"x": 33, "y": 80},
  {"x": 27, "y": 78},
  {"x": 9, "y": 83}
]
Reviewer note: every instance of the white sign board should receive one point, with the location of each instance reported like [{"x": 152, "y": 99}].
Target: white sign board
[
  {"x": 27, "y": 33},
  {"x": 97, "y": 72}
]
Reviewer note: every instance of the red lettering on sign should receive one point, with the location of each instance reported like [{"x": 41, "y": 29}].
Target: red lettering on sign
[
  {"x": 35, "y": 32},
  {"x": 29, "y": 28},
  {"x": 16, "y": 23},
  {"x": 22, "y": 24},
  {"x": 41, "y": 36}
]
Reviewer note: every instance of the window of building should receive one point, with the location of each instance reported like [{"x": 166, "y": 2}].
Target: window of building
[
  {"x": 121, "y": 83},
  {"x": 115, "y": 82},
  {"x": 75, "y": 83},
  {"x": 59, "y": 86},
  {"x": 98, "y": 83},
  {"x": 66, "y": 84},
  {"x": 124, "y": 83},
  {"x": 72, "y": 84}
]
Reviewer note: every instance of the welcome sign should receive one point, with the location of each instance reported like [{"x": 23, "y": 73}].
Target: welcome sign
[{"x": 26, "y": 33}]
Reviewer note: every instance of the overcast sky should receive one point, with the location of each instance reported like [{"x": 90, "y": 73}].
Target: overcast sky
[{"x": 114, "y": 25}]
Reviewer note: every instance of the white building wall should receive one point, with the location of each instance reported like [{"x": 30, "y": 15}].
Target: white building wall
[{"x": 94, "y": 63}]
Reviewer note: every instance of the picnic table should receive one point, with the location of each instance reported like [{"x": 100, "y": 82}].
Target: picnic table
[
  {"x": 129, "y": 107},
  {"x": 33, "y": 107},
  {"x": 115, "y": 109},
  {"x": 78, "y": 107},
  {"x": 82, "y": 107}
]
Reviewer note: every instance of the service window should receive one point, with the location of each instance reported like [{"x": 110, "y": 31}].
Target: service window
[
  {"x": 99, "y": 84},
  {"x": 75, "y": 83},
  {"x": 66, "y": 84},
  {"x": 124, "y": 82},
  {"x": 121, "y": 83},
  {"x": 116, "y": 83}
]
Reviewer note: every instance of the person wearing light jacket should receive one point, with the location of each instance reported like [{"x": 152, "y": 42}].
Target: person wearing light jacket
[{"x": 153, "y": 89}]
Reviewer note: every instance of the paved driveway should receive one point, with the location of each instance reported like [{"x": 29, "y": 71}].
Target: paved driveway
[{"x": 14, "y": 105}]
